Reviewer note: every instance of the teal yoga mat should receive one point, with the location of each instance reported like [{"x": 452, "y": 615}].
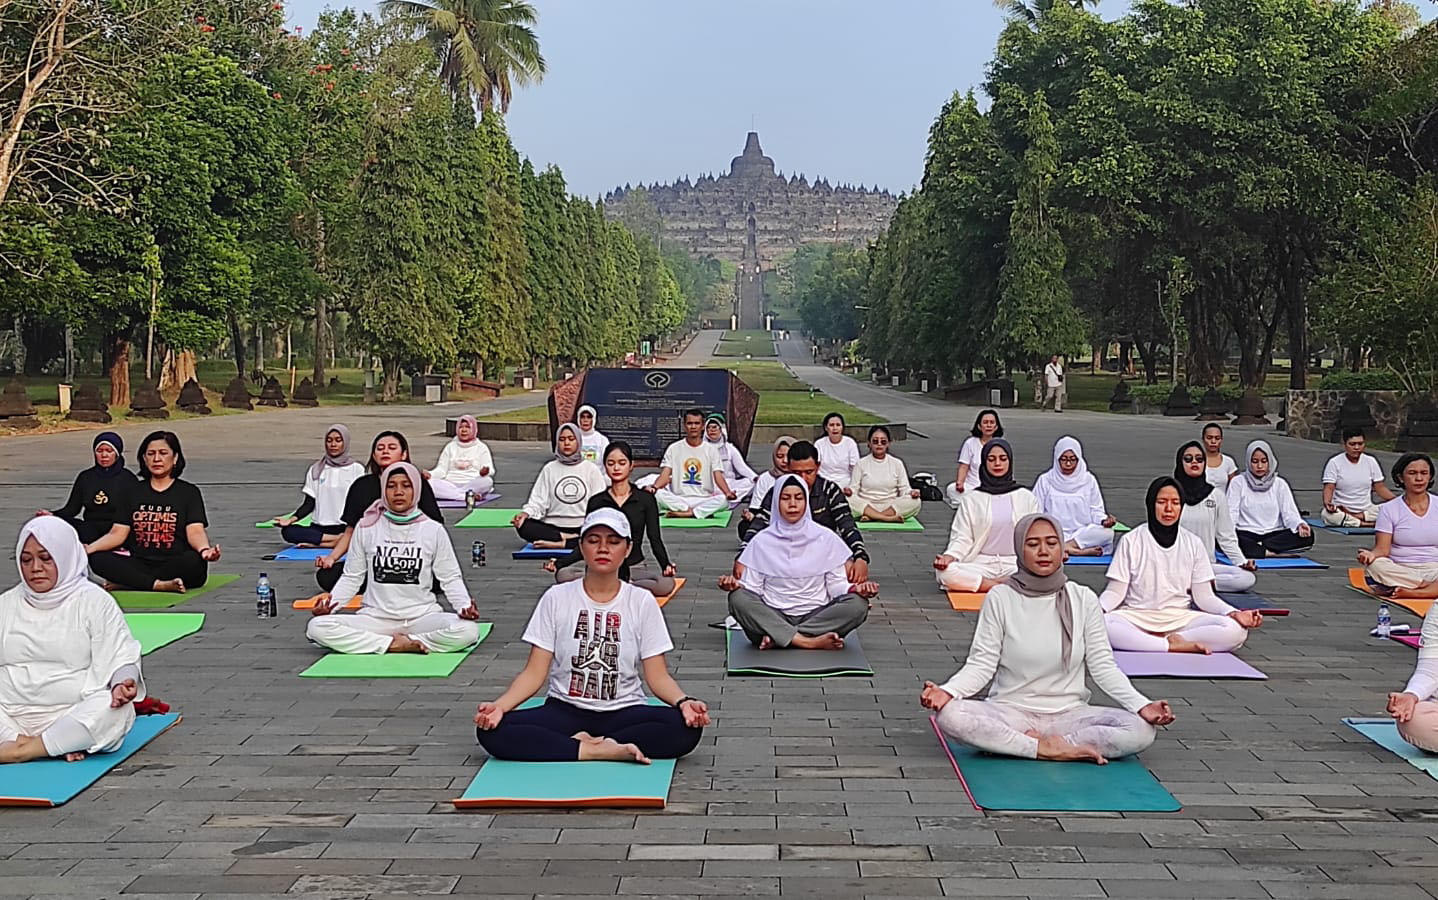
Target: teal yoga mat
[
  {"x": 488, "y": 517},
  {"x": 906, "y": 525},
  {"x": 269, "y": 524},
  {"x": 163, "y": 600},
  {"x": 1007, "y": 783},
  {"x": 51, "y": 782},
  {"x": 718, "y": 520},
  {"x": 1384, "y": 733},
  {"x": 392, "y": 665},
  {"x": 155, "y": 630},
  {"x": 300, "y": 554}
]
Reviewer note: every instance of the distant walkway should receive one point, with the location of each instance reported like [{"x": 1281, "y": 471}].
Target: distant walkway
[{"x": 699, "y": 351}]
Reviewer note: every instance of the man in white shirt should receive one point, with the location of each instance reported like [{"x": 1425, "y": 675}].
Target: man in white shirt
[
  {"x": 691, "y": 481},
  {"x": 1350, "y": 479},
  {"x": 1054, "y": 384}
]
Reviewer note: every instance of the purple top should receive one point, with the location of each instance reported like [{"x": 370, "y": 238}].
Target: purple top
[{"x": 1415, "y": 538}]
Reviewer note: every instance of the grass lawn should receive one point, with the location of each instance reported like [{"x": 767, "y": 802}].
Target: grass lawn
[
  {"x": 760, "y": 374},
  {"x": 750, "y": 335},
  {"x": 746, "y": 343},
  {"x": 1091, "y": 392}
]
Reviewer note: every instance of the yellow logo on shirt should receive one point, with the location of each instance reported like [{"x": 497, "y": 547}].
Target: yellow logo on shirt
[{"x": 692, "y": 470}]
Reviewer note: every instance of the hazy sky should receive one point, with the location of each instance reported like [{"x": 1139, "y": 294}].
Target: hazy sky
[{"x": 650, "y": 90}]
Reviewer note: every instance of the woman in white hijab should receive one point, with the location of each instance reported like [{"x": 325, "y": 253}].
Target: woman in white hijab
[
  {"x": 591, "y": 441},
  {"x": 1070, "y": 494},
  {"x": 70, "y": 670},
  {"x": 1260, "y": 503},
  {"x": 737, "y": 473}
]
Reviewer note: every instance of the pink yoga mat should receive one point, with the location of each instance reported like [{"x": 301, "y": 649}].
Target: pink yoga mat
[
  {"x": 1184, "y": 665},
  {"x": 1408, "y": 640}
]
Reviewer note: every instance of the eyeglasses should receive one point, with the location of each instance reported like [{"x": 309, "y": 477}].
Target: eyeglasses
[{"x": 1193, "y": 459}]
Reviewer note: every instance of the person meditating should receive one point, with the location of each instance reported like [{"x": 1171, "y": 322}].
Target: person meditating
[
  {"x": 1350, "y": 479},
  {"x": 778, "y": 466},
  {"x": 1404, "y": 560},
  {"x": 596, "y": 642},
  {"x": 1415, "y": 708},
  {"x": 401, "y": 552},
  {"x": 591, "y": 441},
  {"x": 551, "y": 517},
  {"x": 1260, "y": 503},
  {"x": 642, "y": 511},
  {"x": 838, "y": 453},
  {"x": 162, "y": 526},
  {"x": 827, "y": 505},
  {"x": 986, "y": 427},
  {"x": 465, "y": 470},
  {"x": 981, "y": 548},
  {"x": 1205, "y": 513},
  {"x": 1070, "y": 494},
  {"x": 737, "y": 473},
  {"x": 70, "y": 671},
  {"x": 99, "y": 491},
  {"x": 881, "y": 491},
  {"x": 327, "y": 484},
  {"x": 1219, "y": 468},
  {"x": 790, "y": 587},
  {"x": 1160, "y": 571},
  {"x": 691, "y": 483},
  {"x": 1038, "y": 635}
]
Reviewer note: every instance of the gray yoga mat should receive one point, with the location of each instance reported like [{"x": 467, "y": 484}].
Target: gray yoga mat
[{"x": 746, "y": 659}]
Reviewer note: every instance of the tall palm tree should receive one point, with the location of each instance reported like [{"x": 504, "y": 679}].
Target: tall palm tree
[
  {"x": 1032, "y": 10},
  {"x": 485, "y": 47}
]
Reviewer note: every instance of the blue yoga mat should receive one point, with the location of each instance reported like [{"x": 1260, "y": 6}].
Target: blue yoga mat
[
  {"x": 51, "y": 782},
  {"x": 1316, "y": 522},
  {"x": 1301, "y": 562},
  {"x": 530, "y": 551},
  {"x": 1384, "y": 733},
  {"x": 302, "y": 554},
  {"x": 1088, "y": 561}
]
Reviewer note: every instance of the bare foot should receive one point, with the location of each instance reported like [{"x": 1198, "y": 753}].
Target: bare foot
[
  {"x": 766, "y": 642},
  {"x": 1056, "y": 748},
  {"x": 403, "y": 643},
  {"x": 680, "y": 514},
  {"x": 112, "y": 586},
  {"x": 1091, "y": 551},
  {"x": 23, "y": 749},
  {"x": 74, "y": 757},
  {"x": 603, "y": 748},
  {"x": 989, "y": 584},
  {"x": 889, "y": 515},
  {"x": 172, "y": 586},
  {"x": 1178, "y": 644},
  {"x": 549, "y": 545},
  {"x": 828, "y": 641}
]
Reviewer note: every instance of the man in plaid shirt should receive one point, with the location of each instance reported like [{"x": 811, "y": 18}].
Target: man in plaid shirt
[{"x": 828, "y": 506}]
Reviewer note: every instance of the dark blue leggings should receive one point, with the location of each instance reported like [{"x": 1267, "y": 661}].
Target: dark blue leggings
[
  {"x": 309, "y": 534},
  {"x": 543, "y": 733}
]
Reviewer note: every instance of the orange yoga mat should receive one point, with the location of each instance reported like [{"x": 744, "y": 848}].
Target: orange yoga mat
[
  {"x": 965, "y": 601},
  {"x": 309, "y": 602},
  {"x": 1417, "y": 606},
  {"x": 678, "y": 586}
]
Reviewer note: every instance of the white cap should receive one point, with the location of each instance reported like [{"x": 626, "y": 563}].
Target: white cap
[{"x": 612, "y": 519}]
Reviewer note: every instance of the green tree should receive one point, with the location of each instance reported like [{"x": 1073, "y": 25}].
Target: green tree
[{"x": 485, "y": 47}]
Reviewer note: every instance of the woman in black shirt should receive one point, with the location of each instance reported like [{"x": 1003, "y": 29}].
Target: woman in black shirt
[
  {"x": 642, "y": 511},
  {"x": 162, "y": 526},
  {"x": 99, "y": 491}
]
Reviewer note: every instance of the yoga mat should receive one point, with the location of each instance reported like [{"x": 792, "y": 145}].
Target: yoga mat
[
  {"x": 1316, "y": 522},
  {"x": 966, "y": 601},
  {"x": 789, "y": 662},
  {"x": 1384, "y": 733},
  {"x": 300, "y": 554},
  {"x": 1009, "y": 783},
  {"x": 1184, "y": 665},
  {"x": 1250, "y": 600},
  {"x": 1088, "y": 561},
  {"x": 392, "y": 665},
  {"x": 155, "y": 630},
  {"x": 678, "y": 586},
  {"x": 906, "y": 525},
  {"x": 1358, "y": 581},
  {"x": 488, "y": 517},
  {"x": 529, "y": 551},
  {"x": 1272, "y": 562},
  {"x": 269, "y": 524},
  {"x": 1408, "y": 640},
  {"x": 51, "y": 782},
  {"x": 459, "y": 504},
  {"x": 164, "y": 599},
  {"x": 309, "y": 602},
  {"x": 1120, "y": 528},
  {"x": 718, "y": 520}
]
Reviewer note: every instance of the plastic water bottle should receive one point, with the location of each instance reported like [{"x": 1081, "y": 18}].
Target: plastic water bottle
[
  {"x": 264, "y": 597},
  {"x": 1385, "y": 621}
]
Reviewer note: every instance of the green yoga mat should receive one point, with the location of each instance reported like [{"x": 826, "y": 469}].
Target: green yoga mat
[
  {"x": 164, "y": 600},
  {"x": 392, "y": 665},
  {"x": 1008, "y": 783},
  {"x": 155, "y": 630},
  {"x": 718, "y": 520},
  {"x": 269, "y": 524},
  {"x": 906, "y": 525},
  {"x": 485, "y": 517}
]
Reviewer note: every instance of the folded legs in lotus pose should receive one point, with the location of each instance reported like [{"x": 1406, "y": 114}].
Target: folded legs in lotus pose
[
  {"x": 327, "y": 485},
  {"x": 980, "y": 550},
  {"x": 551, "y": 517},
  {"x": 1350, "y": 479},
  {"x": 1260, "y": 503},
  {"x": 881, "y": 491},
  {"x": 1404, "y": 558},
  {"x": 691, "y": 482},
  {"x": 465, "y": 470}
]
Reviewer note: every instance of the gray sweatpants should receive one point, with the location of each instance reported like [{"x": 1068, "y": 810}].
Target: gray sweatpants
[{"x": 759, "y": 620}]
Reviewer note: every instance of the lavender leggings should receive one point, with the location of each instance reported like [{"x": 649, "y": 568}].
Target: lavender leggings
[{"x": 998, "y": 728}]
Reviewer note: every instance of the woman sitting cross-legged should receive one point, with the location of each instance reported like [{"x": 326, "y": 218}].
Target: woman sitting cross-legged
[
  {"x": 403, "y": 552},
  {"x": 1038, "y": 635},
  {"x": 327, "y": 485},
  {"x": 881, "y": 491},
  {"x": 1160, "y": 571},
  {"x": 737, "y": 474},
  {"x": 981, "y": 549},
  {"x": 1404, "y": 560},
  {"x": 70, "y": 671},
  {"x": 790, "y": 588},
  {"x": 1260, "y": 503},
  {"x": 1415, "y": 708},
  {"x": 465, "y": 469},
  {"x": 1205, "y": 515},
  {"x": 551, "y": 517},
  {"x": 596, "y": 642},
  {"x": 99, "y": 491},
  {"x": 1071, "y": 494}
]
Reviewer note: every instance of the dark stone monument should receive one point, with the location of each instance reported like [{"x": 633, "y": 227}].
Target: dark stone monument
[
  {"x": 1179, "y": 402},
  {"x": 272, "y": 394},
  {"x": 1421, "y": 431},
  {"x": 1121, "y": 401},
  {"x": 16, "y": 410},
  {"x": 192, "y": 399},
  {"x": 1355, "y": 413},
  {"x": 305, "y": 394},
  {"x": 88, "y": 406},
  {"x": 146, "y": 402},
  {"x": 237, "y": 395},
  {"x": 1250, "y": 409},
  {"x": 1211, "y": 406},
  {"x": 334, "y": 382}
]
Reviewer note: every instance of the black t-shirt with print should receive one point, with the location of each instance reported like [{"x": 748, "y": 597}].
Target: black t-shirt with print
[{"x": 158, "y": 519}]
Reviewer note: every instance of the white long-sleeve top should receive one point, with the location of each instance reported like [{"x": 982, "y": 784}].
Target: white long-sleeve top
[
  {"x": 1263, "y": 511},
  {"x": 1210, "y": 521},
  {"x": 459, "y": 464},
  {"x": 1018, "y": 644},
  {"x": 561, "y": 493},
  {"x": 762, "y": 486},
  {"x": 796, "y": 596},
  {"x": 974, "y": 519},
  {"x": 735, "y": 466},
  {"x": 402, "y": 563},
  {"x": 837, "y": 461},
  {"x": 1424, "y": 682},
  {"x": 878, "y": 481},
  {"x": 1074, "y": 510}
]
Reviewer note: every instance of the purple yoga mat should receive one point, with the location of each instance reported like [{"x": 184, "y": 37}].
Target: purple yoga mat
[{"x": 1184, "y": 665}]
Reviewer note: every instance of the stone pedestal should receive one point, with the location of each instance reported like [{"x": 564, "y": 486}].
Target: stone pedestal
[
  {"x": 1314, "y": 415},
  {"x": 1250, "y": 409},
  {"x": 146, "y": 402},
  {"x": 1179, "y": 402},
  {"x": 192, "y": 399},
  {"x": 1421, "y": 431},
  {"x": 1212, "y": 407},
  {"x": 89, "y": 406},
  {"x": 305, "y": 394},
  {"x": 16, "y": 410},
  {"x": 272, "y": 394},
  {"x": 1121, "y": 401},
  {"x": 1355, "y": 413},
  {"x": 237, "y": 395}
]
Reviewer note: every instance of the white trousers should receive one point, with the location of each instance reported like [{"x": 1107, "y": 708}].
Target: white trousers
[
  {"x": 1341, "y": 519},
  {"x": 967, "y": 576},
  {"x": 742, "y": 488},
  {"x": 1093, "y": 536},
  {"x": 1402, "y": 575},
  {"x": 702, "y": 507},
  {"x": 905, "y": 506},
  {"x": 1232, "y": 579},
  {"x": 952, "y": 495},
  {"x": 89, "y": 726},
  {"x": 999, "y": 728},
  {"x": 450, "y": 490},
  {"x": 365, "y": 632},
  {"x": 1220, "y": 634}
]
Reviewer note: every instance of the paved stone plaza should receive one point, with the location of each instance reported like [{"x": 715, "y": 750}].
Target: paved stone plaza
[{"x": 273, "y": 785}]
